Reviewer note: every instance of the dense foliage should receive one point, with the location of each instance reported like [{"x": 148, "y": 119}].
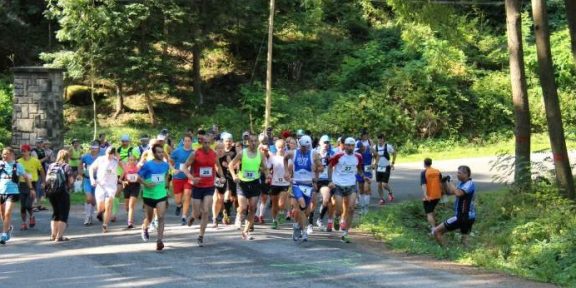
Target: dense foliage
[{"x": 413, "y": 70}]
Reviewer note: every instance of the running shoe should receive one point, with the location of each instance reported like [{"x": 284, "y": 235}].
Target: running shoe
[
  {"x": 304, "y": 236},
  {"x": 159, "y": 245},
  {"x": 4, "y": 238},
  {"x": 183, "y": 221},
  {"x": 130, "y": 226},
  {"x": 86, "y": 220},
  {"x": 390, "y": 197},
  {"x": 99, "y": 216},
  {"x": 178, "y": 210},
  {"x": 32, "y": 221},
  {"x": 382, "y": 201},
  {"x": 23, "y": 227},
  {"x": 319, "y": 223},
  {"x": 247, "y": 236},
  {"x": 310, "y": 229},
  {"x": 329, "y": 226},
  {"x": 337, "y": 223},
  {"x": 274, "y": 225},
  {"x": 296, "y": 232},
  {"x": 261, "y": 220},
  {"x": 145, "y": 235},
  {"x": 200, "y": 241},
  {"x": 226, "y": 220},
  {"x": 190, "y": 221},
  {"x": 343, "y": 226},
  {"x": 104, "y": 229},
  {"x": 345, "y": 238}
]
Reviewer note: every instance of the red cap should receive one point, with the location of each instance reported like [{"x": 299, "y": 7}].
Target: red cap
[
  {"x": 25, "y": 147},
  {"x": 285, "y": 134}
]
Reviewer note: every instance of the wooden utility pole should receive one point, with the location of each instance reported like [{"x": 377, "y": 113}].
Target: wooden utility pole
[
  {"x": 551, "y": 102},
  {"x": 268, "y": 107},
  {"x": 522, "y": 171},
  {"x": 571, "y": 18}
]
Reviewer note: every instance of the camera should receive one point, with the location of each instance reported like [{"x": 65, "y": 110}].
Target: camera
[{"x": 446, "y": 178}]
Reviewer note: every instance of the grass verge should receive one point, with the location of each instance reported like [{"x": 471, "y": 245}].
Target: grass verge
[{"x": 531, "y": 235}]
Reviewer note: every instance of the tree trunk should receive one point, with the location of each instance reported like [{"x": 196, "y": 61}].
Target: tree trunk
[
  {"x": 197, "y": 80},
  {"x": 571, "y": 17},
  {"x": 149, "y": 106},
  {"x": 119, "y": 100},
  {"x": 268, "y": 107},
  {"x": 551, "y": 102},
  {"x": 522, "y": 171},
  {"x": 94, "y": 112}
]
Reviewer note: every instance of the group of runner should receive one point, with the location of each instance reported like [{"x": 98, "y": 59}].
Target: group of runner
[{"x": 213, "y": 174}]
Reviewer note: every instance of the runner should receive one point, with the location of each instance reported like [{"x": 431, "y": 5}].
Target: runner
[
  {"x": 230, "y": 196},
  {"x": 220, "y": 184},
  {"x": 144, "y": 140},
  {"x": 364, "y": 148},
  {"x": 125, "y": 151},
  {"x": 83, "y": 173},
  {"x": 39, "y": 153},
  {"x": 75, "y": 155},
  {"x": 10, "y": 170},
  {"x": 181, "y": 186},
  {"x": 103, "y": 175},
  {"x": 384, "y": 167},
  {"x": 252, "y": 165},
  {"x": 131, "y": 188},
  {"x": 204, "y": 163},
  {"x": 34, "y": 168},
  {"x": 430, "y": 181},
  {"x": 342, "y": 169},
  {"x": 279, "y": 185},
  {"x": 325, "y": 152},
  {"x": 153, "y": 177},
  {"x": 303, "y": 172},
  {"x": 292, "y": 146},
  {"x": 263, "y": 147}
]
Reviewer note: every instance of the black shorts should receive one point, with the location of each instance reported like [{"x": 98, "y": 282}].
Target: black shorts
[
  {"x": 265, "y": 188},
  {"x": 154, "y": 202},
  {"x": 250, "y": 189},
  {"x": 430, "y": 205},
  {"x": 199, "y": 193},
  {"x": 60, "y": 206},
  {"x": 322, "y": 183},
  {"x": 383, "y": 176},
  {"x": 464, "y": 225},
  {"x": 231, "y": 186},
  {"x": 276, "y": 190},
  {"x": 132, "y": 190},
  {"x": 26, "y": 199},
  {"x": 344, "y": 191},
  {"x": 9, "y": 198}
]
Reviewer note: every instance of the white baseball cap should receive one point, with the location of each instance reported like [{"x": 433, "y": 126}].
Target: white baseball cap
[
  {"x": 324, "y": 138},
  {"x": 349, "y": 141},
  {"x": 161, "y": 137},
  {"x": 226, "y": 136},
  {"x": 305, "y": 141}
]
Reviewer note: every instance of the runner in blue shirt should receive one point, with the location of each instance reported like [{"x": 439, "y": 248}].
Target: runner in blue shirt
[{"x": 10, "y": 171}]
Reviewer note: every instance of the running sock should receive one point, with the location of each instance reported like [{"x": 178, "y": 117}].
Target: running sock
[
  {"x": 87, "y": 210},
  {"x": 262, "y": 209},
  {"x": 311, "y": 218},
  {"x": 227, "y": 207},
  {"x": 323, "y": 212}
]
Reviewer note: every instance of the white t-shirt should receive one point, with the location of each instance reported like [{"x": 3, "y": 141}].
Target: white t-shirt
[
  {"x": 383, "y": 162},
  {"x": 345, "y": 168},
  {"x": 107, "y": 172},
  {"x": 276, "y": 163}
]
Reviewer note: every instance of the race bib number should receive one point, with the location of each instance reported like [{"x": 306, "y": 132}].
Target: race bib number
[
  {"x": 157, "y": 178},
  {"x": 280, "y": 180},
  {"x": 249, "y": 174},
  {"x": 381, "y": 168},
  {"x": 205, "y": 172},
  {"x": 306, "y": 190},
  {"x": 348, "y": 170},
  {"x": 219, "y": 183},
  {"x": 182, "y": 167},
  {"x": 132, "y": 177},
  {"x": 110, "y": 172},
  {"x": 367, "y": 168}
]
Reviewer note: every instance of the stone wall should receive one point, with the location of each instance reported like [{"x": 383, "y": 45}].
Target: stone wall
[{"x": 38, "y": 106}]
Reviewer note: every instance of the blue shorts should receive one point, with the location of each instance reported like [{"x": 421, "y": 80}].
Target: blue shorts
[
  {"x": 87, "y": 187},
  {"x": 360, "y": 179},
  {"x": 302, "y": 191}
]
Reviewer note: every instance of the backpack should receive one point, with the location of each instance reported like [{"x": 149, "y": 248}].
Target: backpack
[
  {"x": 14, "y": 174},
  {"x": 55, "y": 180}
]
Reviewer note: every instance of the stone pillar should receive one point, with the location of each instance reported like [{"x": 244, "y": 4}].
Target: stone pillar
[{"x": 38, "y": 106}]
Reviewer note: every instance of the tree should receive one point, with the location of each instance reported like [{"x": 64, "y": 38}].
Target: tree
[
  {"x": 571, "y": 17},
  {"x": 551, "y": 102},
  {"x": 269, "y": 67},
  {"x": 522, "y": 174}
]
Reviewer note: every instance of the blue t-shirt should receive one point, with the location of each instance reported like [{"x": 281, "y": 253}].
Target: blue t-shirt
[
  {"x": 180, "y": 156},
  {"x": 152, "y": 167},
  {"x": 464, "y": 205},
  {"x": 86, "y": 161},
  {"x": 7, "y": 186}
]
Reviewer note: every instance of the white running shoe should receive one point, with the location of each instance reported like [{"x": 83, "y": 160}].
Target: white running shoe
[
  {"x": 310, "y": 229},
  {"x": 238, "y": 223},
  {"x": 304, "y": 236},
  {"x": 319, "y": 223}
]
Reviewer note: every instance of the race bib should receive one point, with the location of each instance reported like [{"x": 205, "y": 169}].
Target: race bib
[
  {"x": 157, "y": 178},
  {"x": 110, "y": 172},
  {"x": 219, "y": 183},
  {"x": 205, "y": 172},
  {"x": 381, "y": 168},
  {"x": 367, "y": 168},
  {"x": 280, "y": 180},
  {"x": 182, "y": 167},
  {"x": 132, "y": 177},
  {"x": 348, "y": 170},
  {"x": 249, "y": 174},
  {"x": 306, "y": 190}
]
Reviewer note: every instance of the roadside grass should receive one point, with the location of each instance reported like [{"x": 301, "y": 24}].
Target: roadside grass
[
  {"x": 530, "y": 234},
  {"x": 446, "y": 149},
  {"x": 77, "y": 198}
]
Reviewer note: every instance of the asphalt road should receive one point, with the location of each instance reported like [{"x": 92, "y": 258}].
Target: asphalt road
[{"x": 121, "y": 259}]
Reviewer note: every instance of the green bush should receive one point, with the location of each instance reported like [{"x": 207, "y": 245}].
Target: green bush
[
  {"x": 529, "y": 234},
  {"x": 5, "y": 111},
  {"x": 79, "y": 95}
]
